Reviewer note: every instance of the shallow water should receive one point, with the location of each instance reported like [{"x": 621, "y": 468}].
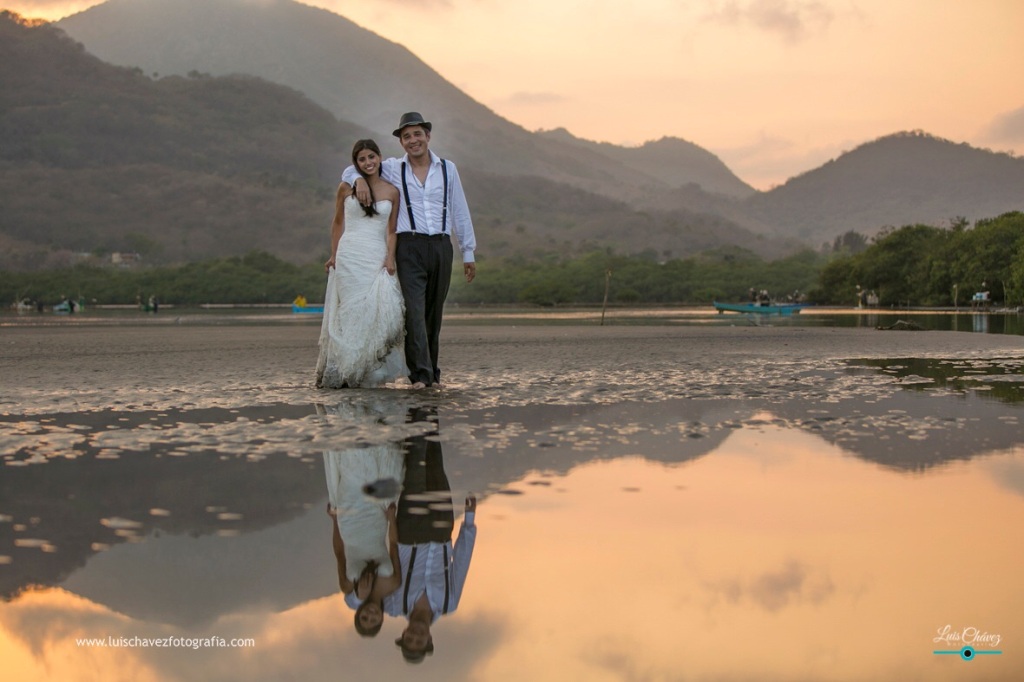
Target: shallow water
[
  {"x": 962, "y": 319},
  {"x": 737, "y": 504}
]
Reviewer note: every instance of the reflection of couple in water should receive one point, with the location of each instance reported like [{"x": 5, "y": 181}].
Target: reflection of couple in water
[{"x": 393, "y": 543}]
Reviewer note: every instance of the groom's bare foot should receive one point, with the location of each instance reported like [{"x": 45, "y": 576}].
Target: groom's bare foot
[{"x": 418, "y": 385}]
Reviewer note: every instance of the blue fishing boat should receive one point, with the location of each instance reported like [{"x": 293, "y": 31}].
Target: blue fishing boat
[
  {"x": 759, "y": 308},
  {"x": 69, "y": 306}
]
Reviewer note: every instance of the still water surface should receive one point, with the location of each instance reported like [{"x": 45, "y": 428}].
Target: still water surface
[{"x": 829, "y": 515}]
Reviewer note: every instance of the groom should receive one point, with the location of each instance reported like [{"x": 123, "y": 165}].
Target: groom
[
  {"x": 432, "y": 569},
  {"x": 433, "y": 206}
]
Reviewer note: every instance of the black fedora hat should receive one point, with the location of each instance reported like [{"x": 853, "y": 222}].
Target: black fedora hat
[{"x": 411, "y": 118}]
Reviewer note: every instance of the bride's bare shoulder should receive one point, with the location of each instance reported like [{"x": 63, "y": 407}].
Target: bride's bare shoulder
[{"x": 385, "y": 190}]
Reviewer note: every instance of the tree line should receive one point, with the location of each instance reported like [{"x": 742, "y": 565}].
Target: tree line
[
  {"x": 260, "y": 277},
  {"x": 257, "y": 277},
  {"x": 918, "y": 265},
  {"x": 922, "y": 265}
]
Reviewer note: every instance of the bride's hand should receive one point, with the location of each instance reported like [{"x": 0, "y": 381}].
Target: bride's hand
[
  {"x": 328, "y": 265},
  {"x": 389, "y": 265}
]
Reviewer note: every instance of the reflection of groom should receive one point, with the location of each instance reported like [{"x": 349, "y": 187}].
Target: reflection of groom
[
  {"x": 433, "y": 207},
  {"x": 433, "y": 570}
]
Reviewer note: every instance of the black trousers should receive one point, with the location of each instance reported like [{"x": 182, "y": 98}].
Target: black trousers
[
  {"x": 425, "y": 273},
  {"x": 425, "y": 509}
]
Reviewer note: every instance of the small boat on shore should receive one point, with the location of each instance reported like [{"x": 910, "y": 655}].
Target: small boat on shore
[
  {"x": 23, "y": 305},
  {"x": 759, "y": 308},
  {"x": 301, "y": 305},
  {"x": 70, "y": 306}
]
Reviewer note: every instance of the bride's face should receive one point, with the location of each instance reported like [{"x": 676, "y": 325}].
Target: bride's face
[{"x": 368, "y": 161}]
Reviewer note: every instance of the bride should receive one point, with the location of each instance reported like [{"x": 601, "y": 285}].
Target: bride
[
  {"x": 363, "y": 486},
  {"x": 363, "y": 330}
]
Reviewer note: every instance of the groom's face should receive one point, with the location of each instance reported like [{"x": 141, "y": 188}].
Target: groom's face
[{"x": 414, "y": 140}]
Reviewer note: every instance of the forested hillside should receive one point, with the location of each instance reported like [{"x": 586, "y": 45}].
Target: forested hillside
[
  {"x": 901, "y": 179},
  {"x": 673, "y": 162},
  {"x": 99, "y": 158}
]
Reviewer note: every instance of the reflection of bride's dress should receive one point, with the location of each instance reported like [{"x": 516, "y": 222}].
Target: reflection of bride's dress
[
  {"x": 363, "y": 330},
  {"x": 361, "y": 519}
]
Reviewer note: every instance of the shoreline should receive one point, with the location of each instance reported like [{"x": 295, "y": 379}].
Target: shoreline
[{"x": 452, "y": 309}]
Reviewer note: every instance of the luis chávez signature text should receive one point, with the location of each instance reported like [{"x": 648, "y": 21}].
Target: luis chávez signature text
[{"x": 967, "y": 636}]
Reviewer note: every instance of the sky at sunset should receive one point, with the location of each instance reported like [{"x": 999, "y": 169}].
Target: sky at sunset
[{"x": 773, "y": 87}]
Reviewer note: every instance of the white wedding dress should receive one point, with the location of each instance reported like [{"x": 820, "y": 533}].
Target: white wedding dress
[
  {"x": 362, "y": 520},
  {"x": 363, "y": 332}
]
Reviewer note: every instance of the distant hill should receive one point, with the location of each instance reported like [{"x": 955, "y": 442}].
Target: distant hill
[
  {"x": 531, "y": 216},
  {"x": 673, "y": 161},
  {"x": 368, "y": 80},
  {"x": 226, "y": 145},
  {"x": 98, "y": 158},
  {"x": 360, "y": 77},
  {"x": 900, "y": 179}
]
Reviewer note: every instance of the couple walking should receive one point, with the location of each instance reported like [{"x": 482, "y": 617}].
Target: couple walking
[{"x": 392, "y": 216}]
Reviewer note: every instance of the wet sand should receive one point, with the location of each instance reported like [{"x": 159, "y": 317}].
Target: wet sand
[{"x": 71, "y": 368}]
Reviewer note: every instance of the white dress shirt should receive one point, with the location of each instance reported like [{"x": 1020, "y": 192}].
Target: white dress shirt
[
  {"x": 427, "y": 200},
  {"x": 437, "y": 568}
]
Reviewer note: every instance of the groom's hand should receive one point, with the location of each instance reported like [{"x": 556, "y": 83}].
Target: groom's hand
[
  {"x": 470, "y": 270},
  {"x": 362, "y": 190}
]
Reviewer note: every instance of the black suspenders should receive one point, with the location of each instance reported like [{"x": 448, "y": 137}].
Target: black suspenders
[
  {"x": 408, "y": 202},
  {"x": 444, "y": 203},
  {"x": 408, "y": 579}
]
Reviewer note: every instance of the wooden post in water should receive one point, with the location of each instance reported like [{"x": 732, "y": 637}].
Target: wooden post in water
[{"x": 607, "y": 279}]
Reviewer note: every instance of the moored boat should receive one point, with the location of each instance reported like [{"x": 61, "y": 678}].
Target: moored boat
[
  {"x": 70, "y": 306},
  {"x": 301, "y": 305},
  {"x": 759, "y": 308},
  {"x": 23, "y": 305}
]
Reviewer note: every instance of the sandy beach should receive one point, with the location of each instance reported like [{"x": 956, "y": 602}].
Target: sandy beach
[{"x": 97, "y": 367}]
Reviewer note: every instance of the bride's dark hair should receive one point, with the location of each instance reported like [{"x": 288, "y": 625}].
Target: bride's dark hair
[{"x": 359, "y": 146}]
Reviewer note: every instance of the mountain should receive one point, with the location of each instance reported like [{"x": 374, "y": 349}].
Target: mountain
[
  {"x": 354, "y": 73},
  {"x": 673, "y": 161},
  {"x": 900, "y": 179},
  {"x": 531, "y": 216},
  {"x": 368, "y": 80},
  {"x": 668, "y": 196},
  {"x": 98, "y": 158}
]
